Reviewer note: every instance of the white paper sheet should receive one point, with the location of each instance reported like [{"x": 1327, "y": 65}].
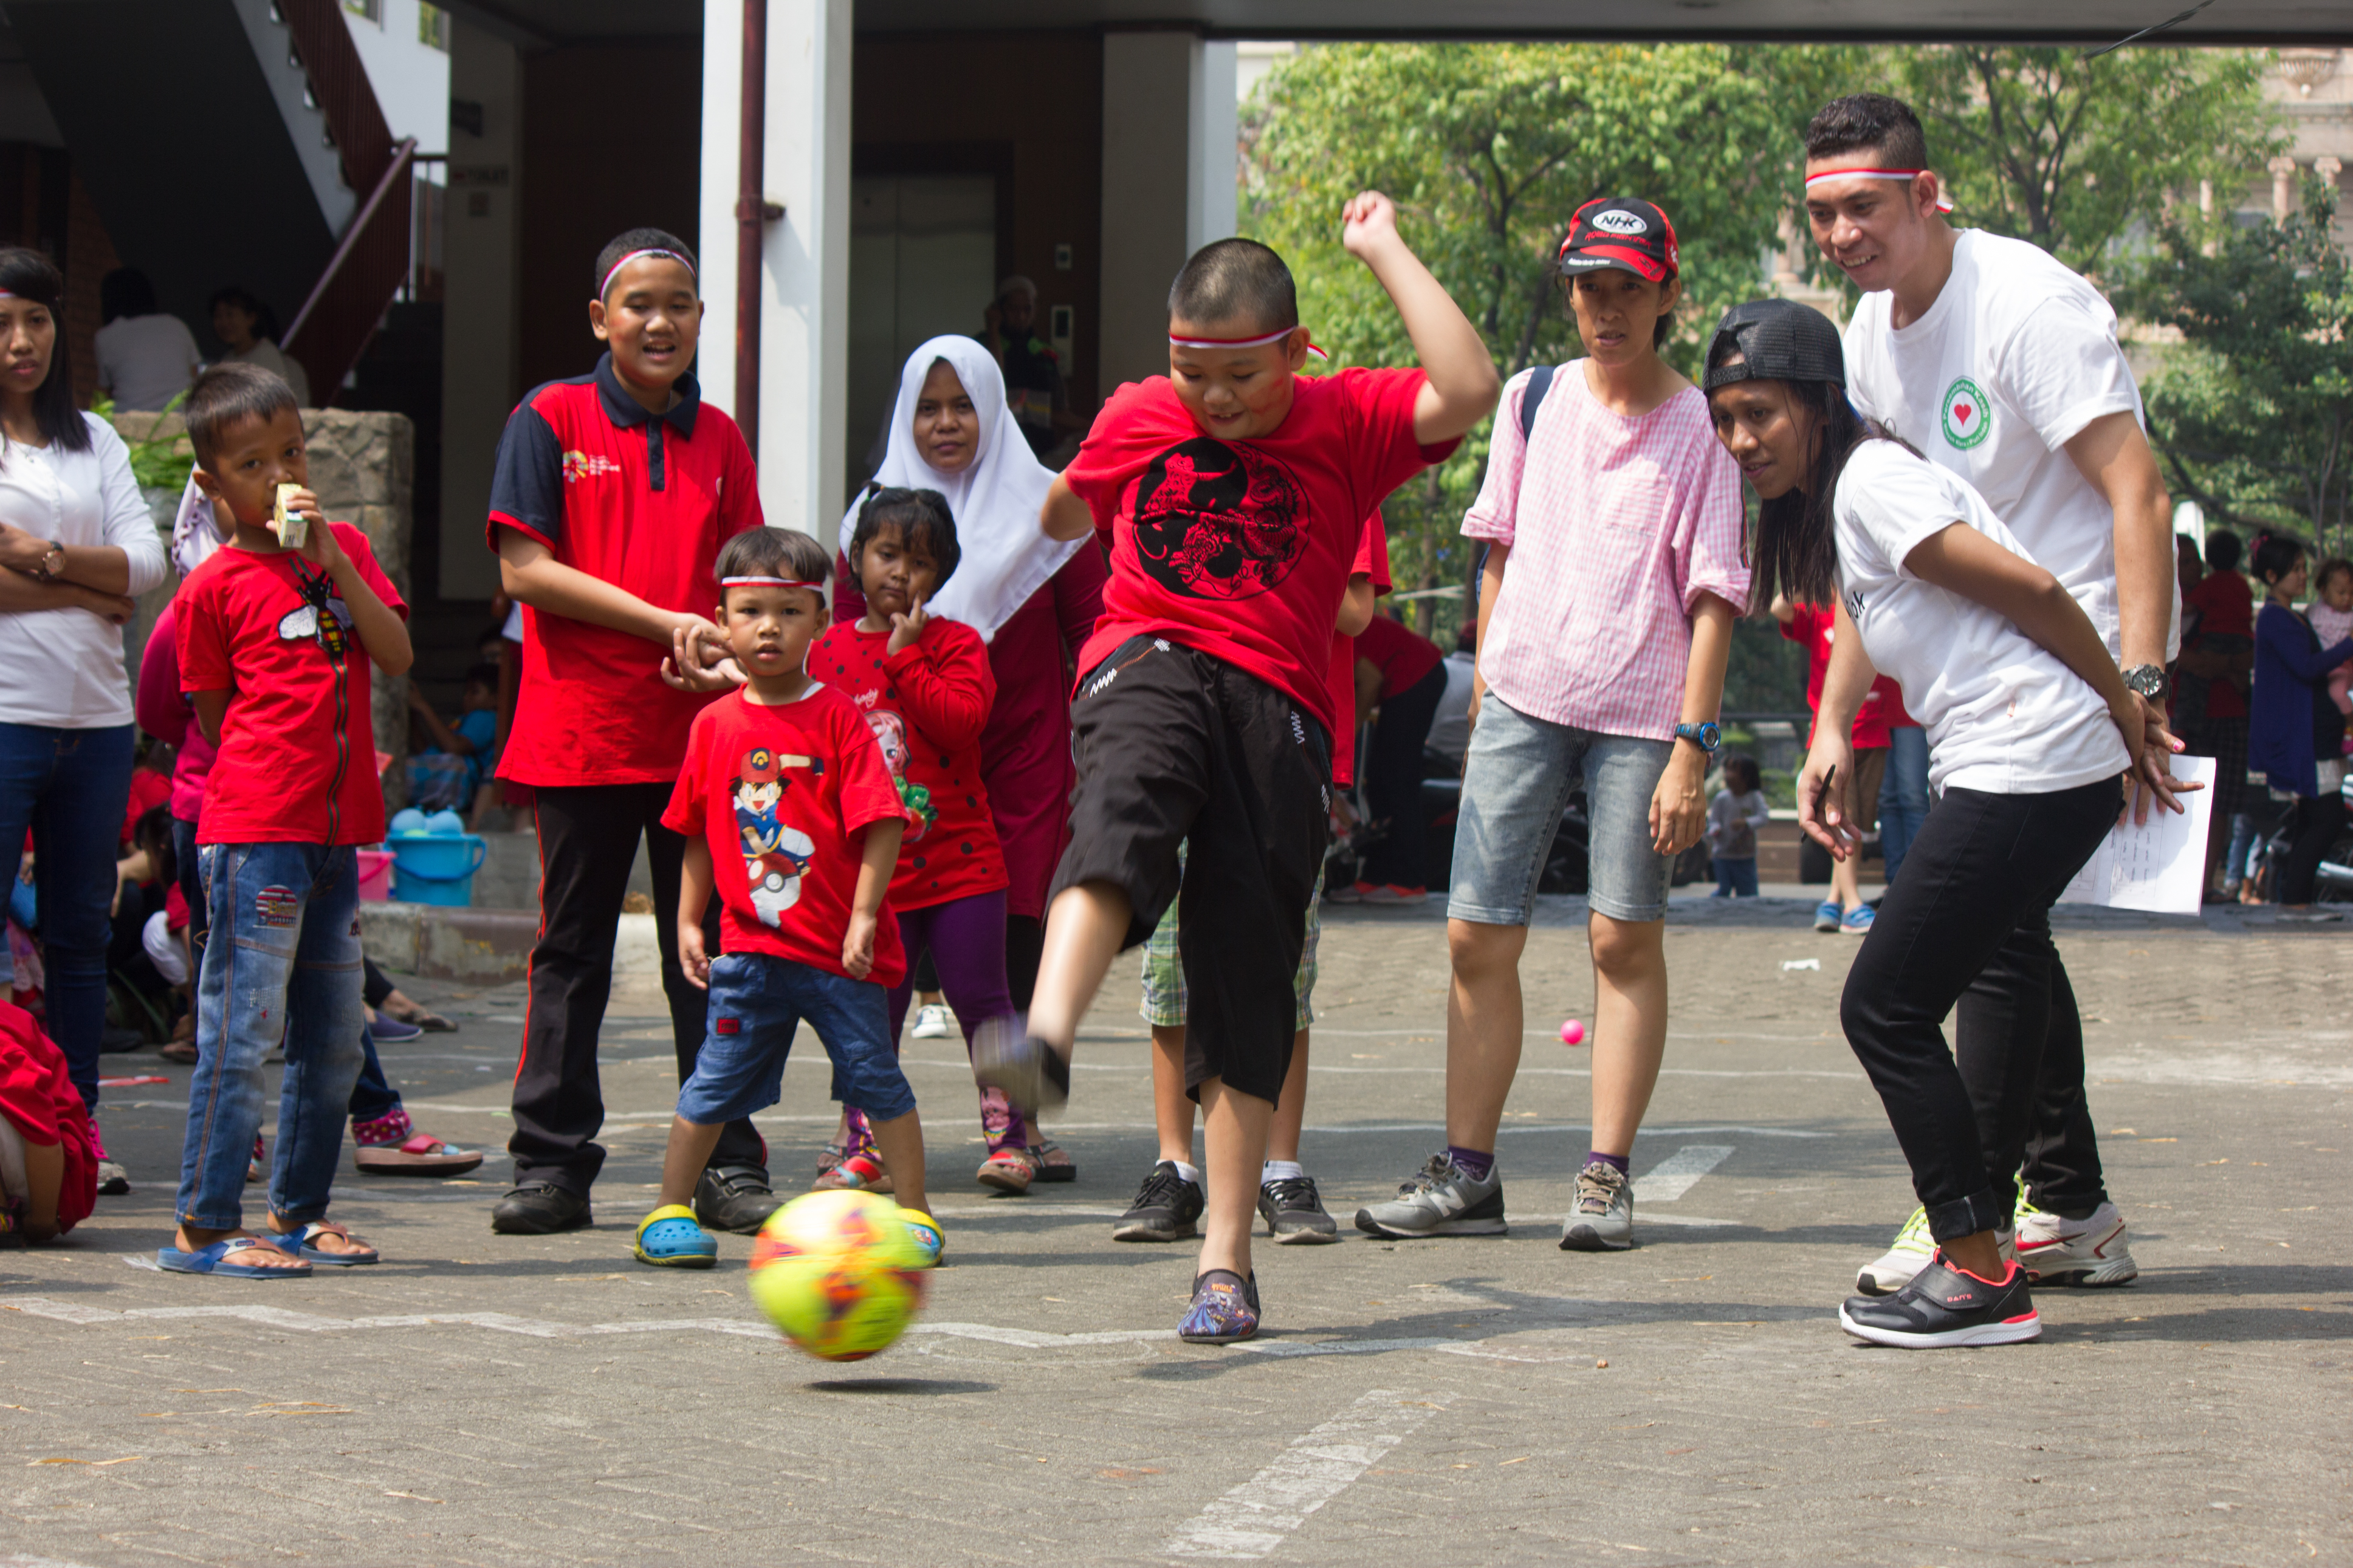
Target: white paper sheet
[{"x": 2159, "y": 865}]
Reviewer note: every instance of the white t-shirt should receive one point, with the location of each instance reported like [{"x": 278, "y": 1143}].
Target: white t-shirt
[
  {"x": 2014, "y": 359},
  {"x": 2003, "y": 713},
  {"x": 144, "y": 361},
  {"x": 272, "y": 358}
]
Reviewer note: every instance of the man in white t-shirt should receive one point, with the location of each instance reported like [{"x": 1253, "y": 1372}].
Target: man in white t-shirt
[{"x": 1998, "y": 363}]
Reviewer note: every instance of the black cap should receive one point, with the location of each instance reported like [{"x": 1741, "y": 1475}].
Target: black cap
[
  {"x": 1621, "y": 232},
  {"x": 1777, "y": 340}
]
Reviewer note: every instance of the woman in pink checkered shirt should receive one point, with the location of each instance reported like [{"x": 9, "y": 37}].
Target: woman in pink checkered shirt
[{"x": 1614, "y": 573}]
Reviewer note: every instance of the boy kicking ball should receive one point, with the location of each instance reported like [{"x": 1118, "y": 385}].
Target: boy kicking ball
[
  {"x": 1232, "y": 495},
  {"x": 788, "y": 809}
]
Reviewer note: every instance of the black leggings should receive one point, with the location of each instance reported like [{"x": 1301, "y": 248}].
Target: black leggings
[
  {"x": 2319, "y": 820},
  {"x": 1971, "y": 914},
  {"x": 1392, "y": 773}
]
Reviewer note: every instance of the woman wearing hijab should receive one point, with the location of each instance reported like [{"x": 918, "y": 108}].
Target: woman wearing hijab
[{"x": 1032, "y": 599}]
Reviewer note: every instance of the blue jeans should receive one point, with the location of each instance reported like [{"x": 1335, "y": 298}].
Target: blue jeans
[
  {"x": 69, "y": 786},
  {"x": 282, "y": 960},
  {"x": 758, "y": 1003},
  {"x": 1903, "y": 795},
  {"x": 1735, "y": 876}
]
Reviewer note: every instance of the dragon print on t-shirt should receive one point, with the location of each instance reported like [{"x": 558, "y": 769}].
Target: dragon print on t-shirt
[{"x": 1214, "y": 522}]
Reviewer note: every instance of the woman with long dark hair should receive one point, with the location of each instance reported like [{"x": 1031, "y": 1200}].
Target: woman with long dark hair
[
  {"x": 2296, "y": 735},
  {"x": 2029, "y": 727},
  {"x": 76, "y": 545}
]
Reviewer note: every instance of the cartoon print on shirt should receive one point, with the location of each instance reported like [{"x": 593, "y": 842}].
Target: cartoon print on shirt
[
  {"x": 332, "y": 629},
  {"x": 775, "y": 856},
  {"x": 1214, "y": 522},
  {"x": 890, "y": 735}
]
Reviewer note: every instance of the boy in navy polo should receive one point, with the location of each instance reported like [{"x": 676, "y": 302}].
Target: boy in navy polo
[{"x": 613, "y": 492}]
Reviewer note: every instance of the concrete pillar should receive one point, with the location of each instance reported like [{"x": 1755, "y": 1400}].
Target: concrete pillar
[
  {"x": 480, "y": 343},
  {"x": 2283, "y": 189},
  {"x": 1168, "y": 155},
  {"x": 805, "y": 263}
]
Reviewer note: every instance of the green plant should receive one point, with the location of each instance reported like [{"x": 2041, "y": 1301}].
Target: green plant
[{"x": 157, "y": 461}]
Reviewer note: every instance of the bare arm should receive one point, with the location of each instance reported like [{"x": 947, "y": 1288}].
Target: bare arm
[
  {"x": 529, "y": 571},
  {"x": 1462, "y": 386},
  {"x": 876, "y": 861},
  {"x": 446, "y": 738},
  {"x": 1356, "y": 605},
  {"x": 2113, "y": 458},
  {"x": 104, "y": 567},
  {"x": 378, "y": 626},
  {"x": 1369, "y": 686},
  {"x": 1679, "y": 803},
  {"x": 19, "y": 593},
  {"x": 1491, "y": 587},
  {"x": 212, "y": 707},
  {"x": 1065, "y": 517},
  {"x": 45, "y": 1175},
  {"x": 693, "y": 898}
]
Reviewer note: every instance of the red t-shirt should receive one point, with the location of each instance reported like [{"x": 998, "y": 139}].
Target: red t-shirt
[
  {"x": 2224, "y": 605},
  {"x": 927, "y": 705},
  {"x": 1241, "y": 550},
  {"x": 1403, "y": 656},
  {"x": 1373, "y": 561},
  {"x": 297, "y": 762},
  {"x": 149, "y": 789},
  {"x": 640, "y": 503},
  {"x": 783, "y": 797},
  {"x": 1882, "y": 705}
]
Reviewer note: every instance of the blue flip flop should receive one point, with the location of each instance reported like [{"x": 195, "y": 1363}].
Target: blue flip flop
[
  {"x": 670, "y": 1237},
  {"x": 297, "y": 1244},
  {"x": 212, "y": 1260}
]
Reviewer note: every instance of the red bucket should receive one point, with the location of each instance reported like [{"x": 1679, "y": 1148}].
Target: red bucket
[{"x": 375, "y": 876}]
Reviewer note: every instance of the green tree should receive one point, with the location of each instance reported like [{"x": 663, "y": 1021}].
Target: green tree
[{"x": 2253, "y": 414}]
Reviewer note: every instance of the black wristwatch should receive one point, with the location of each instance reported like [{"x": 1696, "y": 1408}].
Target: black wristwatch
[
  {"x": 1706, "y": 737},
  {"x": 2148, "y": 679}
]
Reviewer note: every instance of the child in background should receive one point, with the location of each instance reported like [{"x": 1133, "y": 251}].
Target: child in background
[
  {"x": 787, "y": 809},
  {"x": 2331, "y": 614},
  {"x": 1815, "y": 626},
  {"x": 151, "y": 786},
  {"x": 49, "y": 1154},
  {"x": 1734, "y": 817},
  {"x": 924, "y": 686},
  {"x": 275, "y": 646},
  {"x": 471, "y": 743}
]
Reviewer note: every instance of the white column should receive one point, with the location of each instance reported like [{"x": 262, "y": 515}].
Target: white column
[
  {"x": 805, "y": 261},
  {"x": 2283, "y": 189},
  {"x": 1169, "y": 151},
  {"x": 481, "y": 350}
]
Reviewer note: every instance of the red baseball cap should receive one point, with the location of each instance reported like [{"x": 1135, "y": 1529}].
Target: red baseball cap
[{"x": 1621, "y": 232}]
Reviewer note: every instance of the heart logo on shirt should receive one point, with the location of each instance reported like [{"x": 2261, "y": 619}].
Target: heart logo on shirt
[{"x": 1964, "y": 422}]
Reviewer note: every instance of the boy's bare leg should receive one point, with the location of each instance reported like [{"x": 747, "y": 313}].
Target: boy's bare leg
[
  {"x": 899, "y": 1142},
  {"x": 691, "y": 1143},
  {"x": 1483, "y": 1022},
  {"x": 1846, "y": 885},
  {"x": 1084, "y": 929},
  {"x": 1291, "y": 1114},
  {"x": 1172, "y": 1108},
  {"x": 1234, "y": 1131},
  {"x": 1629, "y": 1026}
]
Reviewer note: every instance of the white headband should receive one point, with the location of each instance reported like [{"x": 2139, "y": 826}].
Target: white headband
[
  {"x": 606, "y": 281},
  {"x": 1944, "y": 202},
  {"x": 1175, "y": 341}
]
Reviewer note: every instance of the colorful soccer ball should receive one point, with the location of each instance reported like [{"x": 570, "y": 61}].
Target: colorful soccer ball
[{"x": 837, "y": 1273}]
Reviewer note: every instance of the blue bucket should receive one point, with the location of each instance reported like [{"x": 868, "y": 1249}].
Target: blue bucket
[{"x": 436, "y": 868}]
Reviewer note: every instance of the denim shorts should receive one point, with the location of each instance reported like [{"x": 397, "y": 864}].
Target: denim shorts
[
  {"x": 757, "y": 1004},
  {"x": 1516, "y": 785},
  {"x": 1164, "y": 976}
]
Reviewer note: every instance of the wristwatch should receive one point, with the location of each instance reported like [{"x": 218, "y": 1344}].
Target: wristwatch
[
  {"x": 1706, "y": 737},
  {"x": 2148, "y": 679},
  {"x": 53, "y": 561}
]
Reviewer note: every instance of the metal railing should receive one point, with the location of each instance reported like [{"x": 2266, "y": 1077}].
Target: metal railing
[{"x": 369, "y": 268}]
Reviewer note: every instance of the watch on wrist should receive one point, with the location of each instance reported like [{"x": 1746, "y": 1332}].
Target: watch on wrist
[
  {"x": 2147, "y": 679},
  {"x": 53, "y": 561},
  {"x": 1706, "y": 737}
]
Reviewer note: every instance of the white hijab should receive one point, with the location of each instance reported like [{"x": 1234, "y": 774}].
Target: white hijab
[
  {"x": 1006, "y": 557},
  {"x": 195, "y": 535}
]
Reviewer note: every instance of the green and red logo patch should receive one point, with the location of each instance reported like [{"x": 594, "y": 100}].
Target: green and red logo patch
[{"x": 1967, "y": 418}]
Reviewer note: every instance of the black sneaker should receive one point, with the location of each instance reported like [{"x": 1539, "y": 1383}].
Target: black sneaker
[
  {"x": 1293, "y": 1214},
  {"x": 1033, "y": 1075},
  {"x": 1165, "y": 1209},
  {"x": 735, "y": 1197},
  {"x": 1943, "y": 1306},
  {"x": 539, "y": 1208}
]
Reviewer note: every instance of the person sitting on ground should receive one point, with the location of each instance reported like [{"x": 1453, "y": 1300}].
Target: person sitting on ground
[
  {"x": 471, "y": 743},
  {"x": 49, "y": 1151},
  {"x": 788, "y": 811},
  {"x": 1734, "y": 818}
]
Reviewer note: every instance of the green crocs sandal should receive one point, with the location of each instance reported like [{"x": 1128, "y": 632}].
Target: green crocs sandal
[{"x": 669, "y": 1238}]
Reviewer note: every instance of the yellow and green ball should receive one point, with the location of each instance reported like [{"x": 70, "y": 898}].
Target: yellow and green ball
[{"x": 837, "y": 1273}]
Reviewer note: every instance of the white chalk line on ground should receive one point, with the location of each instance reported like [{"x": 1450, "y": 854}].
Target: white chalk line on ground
[
  {"x": 1254, "y": 1518},
  {"x": 1673, "y": 1176}
]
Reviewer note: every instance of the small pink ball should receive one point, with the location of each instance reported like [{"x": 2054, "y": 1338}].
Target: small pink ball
[{"x": 1572, "y": 1033}]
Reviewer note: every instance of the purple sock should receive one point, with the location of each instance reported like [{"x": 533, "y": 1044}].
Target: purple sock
[
  {"x": 1472, "y": 1163},
  {"x": 1616, "y": 1161}
]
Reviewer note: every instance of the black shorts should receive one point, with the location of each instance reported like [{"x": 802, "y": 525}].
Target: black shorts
[{"x": 1176, "y": 746}]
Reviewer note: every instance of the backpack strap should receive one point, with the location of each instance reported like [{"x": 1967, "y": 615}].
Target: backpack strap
[{"x": 1533, "y": 399}]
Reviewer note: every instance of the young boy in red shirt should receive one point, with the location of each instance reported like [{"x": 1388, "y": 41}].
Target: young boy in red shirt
[
  {"x": 1232, "y": 495},
  {"x": 785, "y": 808},
  {"x": 613, "y": 492},
  {"x": 276, "y": 643}
]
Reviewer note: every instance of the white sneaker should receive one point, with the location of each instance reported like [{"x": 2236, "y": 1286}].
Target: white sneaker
[
  {"x": 1909, "y": 1253},
  {"x": 2058, "y": 1251},
  {"x": 934, "y": 1022}
]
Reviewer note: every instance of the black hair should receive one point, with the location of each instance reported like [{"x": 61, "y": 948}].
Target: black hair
[
  {"x": 29, "y": 275},
  {"x": 125, "y": 291},
  {"x": 630, "y": 239},
  {"x": 1659, "y": 333},
  {"x": 2327, "y": 569},
  {"x": 922, "y": 519},
  {"x": 483, "y": 674},
  {"x": 229, "y": 394},
  {"x": 265, "y": 319},
  {"x": 1466, "y": 636},
  {"x": 1739, "y": 766},
  {"x": 1868, "y": 119},
  {"x": 2275, "y": 557},
  {"x": 773, "y": 552},
  {"x": 152, "y": 833},
  {"x": 2223, "y": 550},
  {"x": 1795, "y": 549},
  {"x": 1236, "y": 280}
]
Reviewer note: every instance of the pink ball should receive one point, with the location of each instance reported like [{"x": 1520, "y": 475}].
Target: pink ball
[{"x": 1572, "y": 1033}]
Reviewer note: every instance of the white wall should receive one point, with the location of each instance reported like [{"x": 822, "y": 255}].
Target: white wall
[
  {"x": 411, "y": 77},
  {"x": 480, "y": 335}
]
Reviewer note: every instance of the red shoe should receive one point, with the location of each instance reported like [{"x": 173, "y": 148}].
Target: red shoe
[{"x": 1392, "y": 893}]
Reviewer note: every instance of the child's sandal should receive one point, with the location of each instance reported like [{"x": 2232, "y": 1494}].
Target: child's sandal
[
  {"x": 1053, "y": 1165},
  {"x": 670, "y": 1237},
  {"x": 297, "y": 1244}
]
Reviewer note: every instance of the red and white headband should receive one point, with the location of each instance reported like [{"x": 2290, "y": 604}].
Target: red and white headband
[
  {"x": 606, "y": 281},
  {"x": 1177, "y": 342},
  {"x": 1944, "y": 202},
  {"x": 767, "y": 582}
]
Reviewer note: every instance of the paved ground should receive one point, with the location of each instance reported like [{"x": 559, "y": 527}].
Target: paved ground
[{"x": 490, "y": 1400}]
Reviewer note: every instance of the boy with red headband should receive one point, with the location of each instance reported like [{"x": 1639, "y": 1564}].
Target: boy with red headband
[{"x": 1231, "y": 495}]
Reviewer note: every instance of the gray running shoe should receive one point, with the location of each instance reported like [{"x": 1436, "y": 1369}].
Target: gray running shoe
[
  {"x": 1294, "y": 1212},
  {"x": 1441, "y": 1200},
  {"x": 1602, "y": 1218}
]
